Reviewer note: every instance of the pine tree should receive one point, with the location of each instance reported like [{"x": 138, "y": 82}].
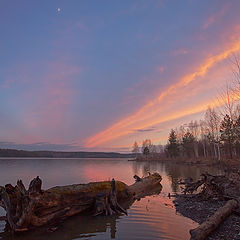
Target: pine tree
[
  {"x": 227, "y": 134},
  {"x": 236, "y": 127},
  {"x": 147, "y": 144},
  {"x": 146, "y": 151},
  {"x": 173, "y": 146},
  {"x": 188, "y": 143}
]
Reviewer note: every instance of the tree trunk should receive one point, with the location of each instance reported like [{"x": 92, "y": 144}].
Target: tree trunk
[
  {"x": 204, "y": 150},
  {"x": 196, "y": 149},
  {"x": 215, "y": 151},
  {"x": 34, "y": 207},
  {"x": 219, "y": 153},
  {"x": 230, "y": 147},
  {"x": 203, "y": 231}
]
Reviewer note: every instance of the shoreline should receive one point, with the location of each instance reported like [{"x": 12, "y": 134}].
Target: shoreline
[
  {"x": 227, "y": 164},
  {"x": 198, "y": 210}
]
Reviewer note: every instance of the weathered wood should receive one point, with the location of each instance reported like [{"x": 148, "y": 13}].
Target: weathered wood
[
  {"x": 35, "y": 186},
  {"x": 35, "y": 207},
  {"x": 212, "y": 186},
  {"x": 137, "y": 178},
  {"x": 207, "y": 227},
  {"x": 107, "y": 202}
]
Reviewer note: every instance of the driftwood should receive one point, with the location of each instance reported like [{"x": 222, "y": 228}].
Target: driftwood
[
  {"x": 223, "y": 187},
  {"x": 207, "y": 227},
  {"x": 212, "y": 186},
  {"x": 27, "y": 209}
]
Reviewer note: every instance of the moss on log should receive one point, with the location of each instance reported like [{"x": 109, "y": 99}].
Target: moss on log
[{"x": 27, "y": 209}]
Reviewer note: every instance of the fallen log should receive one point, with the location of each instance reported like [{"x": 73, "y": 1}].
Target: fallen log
[
  {"x": 27, "y": 209},
  {"x": 207, "y": 227},
  {"x": 212, "y": 186}
]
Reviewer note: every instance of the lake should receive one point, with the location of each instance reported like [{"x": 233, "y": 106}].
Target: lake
[{"x": 153, "y": 217}]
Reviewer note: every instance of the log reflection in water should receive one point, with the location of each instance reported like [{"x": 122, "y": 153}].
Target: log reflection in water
[{"x": 77, "y": 226}]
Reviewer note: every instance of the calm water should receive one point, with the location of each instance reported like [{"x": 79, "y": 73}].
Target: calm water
[{"x": 153, "y": 217}]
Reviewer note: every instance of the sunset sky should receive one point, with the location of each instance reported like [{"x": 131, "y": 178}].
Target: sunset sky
[{"x": 98, "y": 75}]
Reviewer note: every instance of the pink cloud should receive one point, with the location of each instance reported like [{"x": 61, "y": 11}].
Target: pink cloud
[
  {"x": 209, "y": 22},
  {"x": 214, "y": 18},
  {"x": 52, "y": 100},
  {"x": 156, "y": 110}
]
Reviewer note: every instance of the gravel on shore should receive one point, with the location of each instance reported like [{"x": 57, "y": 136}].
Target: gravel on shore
[{"x": 193, "y": 207}]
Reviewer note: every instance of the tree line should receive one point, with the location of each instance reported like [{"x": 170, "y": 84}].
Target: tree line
[
  {"x": 216, "y": 136},
  {"x": 147, "y": 150},
  {"x": 212, "y": 137}
]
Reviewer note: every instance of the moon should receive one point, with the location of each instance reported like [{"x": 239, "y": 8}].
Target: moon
[{"x": 59, "y": 9}]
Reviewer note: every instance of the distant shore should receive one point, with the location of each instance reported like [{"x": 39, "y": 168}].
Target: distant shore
[{"x": 13, "y": 153}]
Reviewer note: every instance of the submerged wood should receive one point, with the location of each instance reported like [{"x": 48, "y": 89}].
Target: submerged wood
[
  {"x": 27, "y": 209},
  {"x": 207, "y": 227}
]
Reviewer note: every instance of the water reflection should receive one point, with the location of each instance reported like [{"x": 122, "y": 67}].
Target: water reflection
[
  {"x": 73, "y": 228},
  {"x": 152, "y": 217},
  {"x": 172, "y": 172},
  {"x": 79, "y": 226}
]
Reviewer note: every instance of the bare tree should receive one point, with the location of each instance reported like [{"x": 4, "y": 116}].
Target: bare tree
[
  {"x": 180, "y": 132},
  {"x": 160, "y": 148},
  {"x": 227, "y": 100},
  {"x": 194, "y": 130},
  {"x": 203, "y": 135},
  {"x": 213, "y": 120},
  {"x": 229, "y": 96},
  {"x": 135, "y": 148}
]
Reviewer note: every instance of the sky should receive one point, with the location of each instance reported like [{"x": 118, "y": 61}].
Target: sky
[{"x": 99, "y": 75}]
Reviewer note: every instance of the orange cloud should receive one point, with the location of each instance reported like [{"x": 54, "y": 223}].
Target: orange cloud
[{"x": 148, "y": 115}]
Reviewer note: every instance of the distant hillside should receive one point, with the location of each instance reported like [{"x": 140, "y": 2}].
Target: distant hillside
[{"x": 55, "y": 154}]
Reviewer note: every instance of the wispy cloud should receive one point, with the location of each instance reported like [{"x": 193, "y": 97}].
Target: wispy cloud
[
  {"x": 148, "y": 115},
  {"x": 214, "y": 18},
  {"x": 146, "y": 129},
  {"x": 209, "y": 22},
  {"x": 42, "y": 101},
  {"x": 54, "y": 96}
]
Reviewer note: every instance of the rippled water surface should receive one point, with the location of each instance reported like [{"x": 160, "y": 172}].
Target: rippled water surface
[{"x": 153, "y": 217}]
